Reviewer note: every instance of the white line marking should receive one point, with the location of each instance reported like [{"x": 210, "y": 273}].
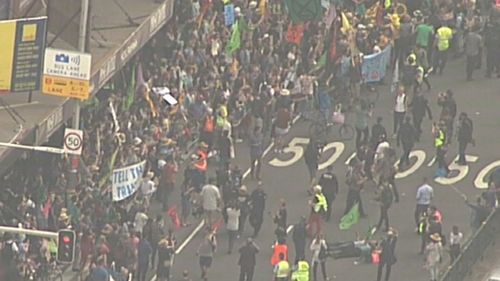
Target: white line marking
[
  {"x": 290, "y": 227},
  {"x": 191, "y": 236},
  {"x": 19, "y": 105},
  {"x": 202, "y": 223},
  {"x": 431, "y": 162}
]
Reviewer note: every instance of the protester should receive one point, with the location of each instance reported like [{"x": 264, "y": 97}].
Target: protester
[
  {"x": 319, "y": 251},
  {"x": 434, "y": 256},
  {"x": 330, "y": 187},
  {"x": 387, "y": 255},
  {"x": 247, "y": 260}
]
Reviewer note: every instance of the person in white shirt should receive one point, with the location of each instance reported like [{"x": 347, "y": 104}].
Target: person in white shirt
[
  {"x": 425, "y": 193},
  {"x": 319, "y": 250},
  {"x": 434, "y": 256},
  {"x": 210, "y": 197},
  {"x": 140, "y": 220},
  {"x": 148, "y": 188},
  {"x": 233, "y": 217},
  {"x": 456, "y": 238},
  {"x": 400, "y": 106}
]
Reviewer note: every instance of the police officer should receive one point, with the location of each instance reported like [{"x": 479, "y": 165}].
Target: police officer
[
  {"x": 282, "y": 269},
  {"x": 301, "y": 273},
  {"x": 330, "y": 187},
  {"x": 440, "y": 144},
  {"x": 464, "y": 137},
  {"x": 406, "y": 137},
  {"x": 319, "y": 207}
]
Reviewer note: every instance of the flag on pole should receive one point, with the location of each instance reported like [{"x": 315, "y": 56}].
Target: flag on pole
[
  {"x": 350, "y": 219},
  {"x": 346, "y": 26},
  {"x": 321, "y": 63},
  {"x": 235, "y": 41},
  {"x": 395, "y": 78},
  {"x": 304, "y": 10},
  {"x": 127, "y": 103},
  {"x": 295, "y": 33}
]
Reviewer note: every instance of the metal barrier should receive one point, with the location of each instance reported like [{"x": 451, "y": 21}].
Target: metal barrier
[{"x": 474, "y": 249}]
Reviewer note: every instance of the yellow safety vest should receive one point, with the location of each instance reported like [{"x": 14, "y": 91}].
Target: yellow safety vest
[
  {"x": 439, "y": 141},
  {"x": 302, "y": 272},
  {"x": 444, "y": 35},
  {"x": 283, "y": 269},
  {"x": 321, "y": 203}
]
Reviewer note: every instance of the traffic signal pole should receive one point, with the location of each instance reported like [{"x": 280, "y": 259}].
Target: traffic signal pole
[{"x": 39, "y": 233}]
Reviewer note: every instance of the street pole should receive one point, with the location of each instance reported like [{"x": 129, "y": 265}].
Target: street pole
[
  {"x": 81, "y": 47},
  {"x": 47, "y": 149},
  {"x": 39, "y": 233}
]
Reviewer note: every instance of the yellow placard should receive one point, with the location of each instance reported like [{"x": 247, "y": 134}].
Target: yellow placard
[
  {"x": 66, "y": 87},
  {"x": 29, "y": 32},
  {"x": 7, "y": 42}
]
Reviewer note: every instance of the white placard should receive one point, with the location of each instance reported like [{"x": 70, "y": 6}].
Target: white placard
[{"x": 126, "y": 180}]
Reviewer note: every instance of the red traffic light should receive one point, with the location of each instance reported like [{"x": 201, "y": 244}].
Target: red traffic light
[{"x": 66, "y": 240}]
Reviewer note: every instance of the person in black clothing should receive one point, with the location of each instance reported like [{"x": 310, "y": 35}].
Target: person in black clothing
[
  {"x": 491, "y": 42},
  {"x": 377, "y": 131},
  {"x": 299, "y": 236},
  {"x": 406, "y": 137},
  {"x": 387, "y": 255},
  {"x": 448, "y": 112},
  {"x": 419, "y": 107},
  {"x": 330, "y": 188},
  {"x": 311, "y": 156},
  {"x": 410, "y": 70},
  {"x": 225, "y": 145},
  {"x": 464, "y": 137},
  {"x": 257, "y": 206},
  {"x": 247, "y": 260},
  {"x": 385, "y": 199}
]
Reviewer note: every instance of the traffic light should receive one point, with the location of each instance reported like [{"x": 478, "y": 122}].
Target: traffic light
[{"x": 65, "y": 245}]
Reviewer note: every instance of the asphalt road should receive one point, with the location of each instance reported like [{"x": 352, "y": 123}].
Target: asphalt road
[{"x": 478, "y": 98}]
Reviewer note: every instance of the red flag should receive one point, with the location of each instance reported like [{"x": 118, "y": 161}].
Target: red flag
[
  {"x": 332, "y": 54},
  {"x": 174, "y": 216},
  {"x": 217, "y": 225},
  {"x": 295, "y": 33}
]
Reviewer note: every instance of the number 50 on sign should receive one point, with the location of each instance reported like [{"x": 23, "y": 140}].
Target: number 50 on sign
[{"x": 73, "y": 141}]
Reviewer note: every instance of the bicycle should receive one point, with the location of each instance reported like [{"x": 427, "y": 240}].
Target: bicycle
[
  {"x": 51, "y": 272},
  {"x": 321, "y": 128}
]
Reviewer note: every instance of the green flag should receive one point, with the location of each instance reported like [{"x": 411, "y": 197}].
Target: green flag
[
  {"x": 321, "y": 63},
  {"x": 127, "y": 103},
  {"x": 304, "y": 10},
  {"x": 350, "y": 219},
  {"x": 235, "y": 41}
]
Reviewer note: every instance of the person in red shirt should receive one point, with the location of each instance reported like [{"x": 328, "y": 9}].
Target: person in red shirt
[
  {"x": 281, "y": 128},
  {"x": 167, "y": 180}
]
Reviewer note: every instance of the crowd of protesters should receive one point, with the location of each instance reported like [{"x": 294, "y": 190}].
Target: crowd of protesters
[{"x": 225, "y": 97}]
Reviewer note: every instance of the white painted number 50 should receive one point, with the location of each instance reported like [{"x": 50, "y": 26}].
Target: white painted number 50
[{"x": 295, "y": 147}]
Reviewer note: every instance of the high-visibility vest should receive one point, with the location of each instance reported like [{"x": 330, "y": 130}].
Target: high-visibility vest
[
  {"x": 302, "y": 272},
  {"x": 440, "y": 138},
  {"x": 279, "y": 248},
  {"x": 283, "y": 269},
  {"x": 444, "y": 35},
  {"x": 321, "y": 203}
]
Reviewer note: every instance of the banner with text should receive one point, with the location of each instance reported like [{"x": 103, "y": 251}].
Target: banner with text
[{"x": 126, "y": 180}]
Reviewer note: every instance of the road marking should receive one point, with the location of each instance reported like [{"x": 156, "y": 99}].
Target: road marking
[
  {"x": 290, "y": 227},
  {"x": 479, "y": 182},
  {"x": 202, "y": 223},
  {"x": 350, "y": 158},
  {"x": 431, "y": 162},
  {"x": 17, "y": 105}
]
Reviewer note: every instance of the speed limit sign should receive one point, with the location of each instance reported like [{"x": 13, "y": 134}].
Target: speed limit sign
[{"x": 73, "y": 141}]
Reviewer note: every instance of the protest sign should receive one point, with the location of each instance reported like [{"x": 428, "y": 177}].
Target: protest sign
[
  {"x": 126, "y": 180},
  {"x": 229, "y": 14}
]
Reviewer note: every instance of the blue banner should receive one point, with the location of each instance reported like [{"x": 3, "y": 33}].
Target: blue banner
[
  {"x": 229, "y": 14},
  {"x": 373, "y": 68},
  {"x": 375, "y": 65}
]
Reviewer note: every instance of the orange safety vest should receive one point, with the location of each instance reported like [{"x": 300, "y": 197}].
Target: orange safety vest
[
  {"x": 279, "y": 248},
  {"x": 209, "y": 124},
  {"x": 202, "y": 164}
]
